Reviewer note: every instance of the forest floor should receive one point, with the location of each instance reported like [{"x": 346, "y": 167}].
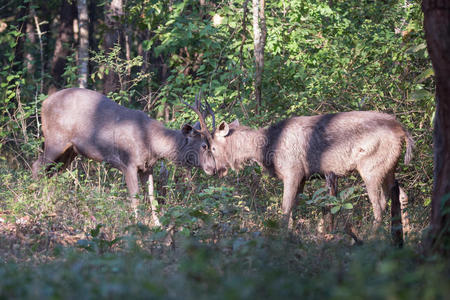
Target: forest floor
[{"x": 72, "y": 235}]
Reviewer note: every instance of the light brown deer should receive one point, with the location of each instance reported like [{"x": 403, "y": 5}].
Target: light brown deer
[
  {"x": 80, "y": 121},
  {"x": 331, "y": 145}
]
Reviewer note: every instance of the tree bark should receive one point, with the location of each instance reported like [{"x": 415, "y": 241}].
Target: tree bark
[
  {"x": 83, "y": 54},
  {"x": 41, "y": 48},
  {"x": 113, "y": 11},
  {"x": 260, "y": 33},
  {"x": 31, "y": 39},
  {"x": 437, "y": 33},
  {"x": 63, "y": 44}
]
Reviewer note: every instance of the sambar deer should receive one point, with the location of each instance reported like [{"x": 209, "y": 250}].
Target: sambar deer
[
  {"x": 331, "y": 145},
  {"x": 81, "y": 121}
]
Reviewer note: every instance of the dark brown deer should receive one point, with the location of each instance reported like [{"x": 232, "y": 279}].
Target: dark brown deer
[
  {"x": 80, "y": 121},
  {"x": 332, "y": 144}
]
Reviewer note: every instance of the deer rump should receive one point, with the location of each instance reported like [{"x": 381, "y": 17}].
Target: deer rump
[{"x": 368, "y": 142}]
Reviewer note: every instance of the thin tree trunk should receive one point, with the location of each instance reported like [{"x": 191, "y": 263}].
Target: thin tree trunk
[
  {"x": 262, "y": 20},
  {"x": 83, "y": 54},
  {"x": 128, "y": 50},
  {"x": 113, "y": 11},
  {"x": 437, "y": 33},
  {"x": 31, "y": 40},
  {"x": 41, "y": 48},
  {"x": 62, "y": 45},
  {"x": 241, "y": 47},
  {"x": 259, "y": 32}
]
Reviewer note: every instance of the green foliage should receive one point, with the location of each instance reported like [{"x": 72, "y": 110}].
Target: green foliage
[
  {"x": 95, "y": 243},
  {"x": 336, "y": 203},
  {"x": 223, "y": 244},
  {"x": 10, "y": 81},
  {"x": 17, "y": 87},
  {"x": 70, "y": 74},
  {"x": 237, "y": 267},
  {"x": 112, "y": 62}
]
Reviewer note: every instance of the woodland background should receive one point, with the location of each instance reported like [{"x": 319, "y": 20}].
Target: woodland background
[{"x": 73, "y": 235}]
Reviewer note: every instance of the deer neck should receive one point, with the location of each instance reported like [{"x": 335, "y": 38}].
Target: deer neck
[
  {"x": 249, "y": 145},
  {"x": 166, "y": 143}
]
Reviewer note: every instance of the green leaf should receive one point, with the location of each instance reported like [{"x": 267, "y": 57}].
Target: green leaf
[
  {"x": 345, "y": 194},
  {"x": 318, "y": 192},
  {"x": 421, "y": 95},
  {"x": 147, "y": 45},
  {"x": 199, "y": 214},
  {"x": 416, "y": 48},
  {"x": 347, "y": 206},
  {"x": 96, "y": 230},
  {"x": 335, "y": 209},
  {"x": 11, "y": 77},
  {"x": 271, "y": 223},
  {"x": 424, "y": 75}
]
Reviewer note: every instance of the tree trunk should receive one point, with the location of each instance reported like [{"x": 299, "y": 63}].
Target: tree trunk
[
  {"x": 31, "y": 40},
  {"x": 41, "y": 48},
  {"x": 83, "y": 54},
  {"x": 437, "y": 33},
  {"x": 62, "y": 45},
  {"x": 259, "y": 32},
  {"x": 241, "y": 49},
  {"x": 113, "y": 11}
]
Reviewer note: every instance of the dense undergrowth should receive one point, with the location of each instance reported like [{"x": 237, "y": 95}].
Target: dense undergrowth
[
  {"x": 73, "y": 236},
  {"x": 234, "y": 268}
]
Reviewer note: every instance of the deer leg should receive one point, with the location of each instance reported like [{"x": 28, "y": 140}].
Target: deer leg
[
  {"x": 52, "y": 151},
  {"x": 391, "y": 189},
  {"x": 148, "y": 186},
  {"x": 403, "y": 206},
  {"x": 300, "y": 188},
  {"x": 376, "y": 199},
  {"x": 133, "y": 188},
  {"x": 144, "y": 177},
  {"x": 327, "y": 217},
  {"x": 290, "y": 190},
  {"x": 37, "y": 166},
  {"x": 67, "y": 157},
  {"x": 163, "y": 179},
  {"x": 396, "y": 219}
]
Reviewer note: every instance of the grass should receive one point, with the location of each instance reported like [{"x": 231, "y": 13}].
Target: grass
[{"x": 73, "y": 236}]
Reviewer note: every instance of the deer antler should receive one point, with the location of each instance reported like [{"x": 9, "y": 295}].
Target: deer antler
[
  {"x": 211, "y": 112},
  {"x": 202, "y": 112}
]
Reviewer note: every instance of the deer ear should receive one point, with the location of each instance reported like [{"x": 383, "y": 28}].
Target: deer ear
[
  {"x": 197, "y": 126},
  {"x": 234, "y": 124},
  {"x": 187, "y": 129},
  {"x": 223, "y": 129}
]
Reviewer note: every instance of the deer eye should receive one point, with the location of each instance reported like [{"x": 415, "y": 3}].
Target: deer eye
[
  {"x": 213, "y": 149},
  {"x": 204, "y": 146}
]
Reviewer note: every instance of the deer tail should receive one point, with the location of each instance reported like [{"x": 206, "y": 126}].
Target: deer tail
[{"x": 409, "y": 147}]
